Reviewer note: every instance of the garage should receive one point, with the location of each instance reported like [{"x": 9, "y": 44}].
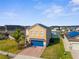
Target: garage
[
  {"x": 38, "y": 42},
  {"x": 75, "y": 46}
]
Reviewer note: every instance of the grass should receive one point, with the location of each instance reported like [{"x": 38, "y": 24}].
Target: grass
[
  {"x": 9, "y": 46},
  {"x": 56, "y": 51},
  {"x": 4, "y": 57}
]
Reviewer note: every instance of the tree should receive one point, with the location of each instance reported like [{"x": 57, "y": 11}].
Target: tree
[{"x": 18, "y": 35}]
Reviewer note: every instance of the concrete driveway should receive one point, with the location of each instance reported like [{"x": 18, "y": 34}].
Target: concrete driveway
[
  {"x": 75, "y": 54},
  {"x": 32, "y": 51},
  {"x": 26, "y": 57}
]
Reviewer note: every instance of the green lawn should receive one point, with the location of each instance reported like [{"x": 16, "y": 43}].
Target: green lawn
[
  {"x": 56, "y": 51},
  {"x": 4, "y": 57},
  {"x": 9, "y": 46}
]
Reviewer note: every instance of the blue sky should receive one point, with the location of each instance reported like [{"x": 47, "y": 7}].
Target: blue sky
[{"x": 48, "y": 12}]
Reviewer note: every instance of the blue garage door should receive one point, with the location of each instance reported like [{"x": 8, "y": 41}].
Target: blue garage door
[{"x": 36, "y": 43}]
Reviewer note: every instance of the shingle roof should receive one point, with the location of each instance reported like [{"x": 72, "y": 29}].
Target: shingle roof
[{"x": 39, "y": 25}]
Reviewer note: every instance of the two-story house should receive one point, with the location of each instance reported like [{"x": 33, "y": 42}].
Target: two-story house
[{"x": 38, "y": 35}]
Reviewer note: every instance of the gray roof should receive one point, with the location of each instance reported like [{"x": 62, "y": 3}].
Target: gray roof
[{"x": 39, "y": 25}]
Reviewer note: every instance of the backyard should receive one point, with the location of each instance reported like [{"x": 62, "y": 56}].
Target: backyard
[{"x": 56, "y": 51}]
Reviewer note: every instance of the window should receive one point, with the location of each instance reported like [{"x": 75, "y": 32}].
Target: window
[
  {"x": 42, "y": 33},
  {"x": 36, "y": 33},
  {"x": 32, "y": 32}
]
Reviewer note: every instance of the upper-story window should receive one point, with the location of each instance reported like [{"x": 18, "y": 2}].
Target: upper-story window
[
  {"x": 42, "y": 33},
  {"x": 34, "y": 33}
]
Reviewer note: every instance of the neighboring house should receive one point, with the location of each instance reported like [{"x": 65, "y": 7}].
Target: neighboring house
[
  {"x": 12, "y": 28},
  {"x": 68, "y": 29},
  {"x": 71, "y": 41},
  {"x": 54, "y": 29},
  {"x": 7, "y": 30},
  {"x": 77, "y": 29},
  {"x": 2, "y": 29},
  {"x": 38, "y": 35},
  {"x": 72, "y": 28},
  {"x": 55, "y": 34}
]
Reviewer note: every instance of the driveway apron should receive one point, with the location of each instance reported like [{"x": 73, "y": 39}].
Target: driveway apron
[{"x": 32, "y": 51}]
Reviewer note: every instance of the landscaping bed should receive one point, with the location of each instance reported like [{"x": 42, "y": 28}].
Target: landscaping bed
[
  {"x": 9, "y": 46},
  {"x": 4, "y": 57}
]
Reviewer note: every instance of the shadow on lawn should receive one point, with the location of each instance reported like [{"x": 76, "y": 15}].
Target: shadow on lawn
[{"x": 54, "y": 41}]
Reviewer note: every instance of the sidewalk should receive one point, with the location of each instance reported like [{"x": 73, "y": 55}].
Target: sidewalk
[
  {"x": 75, "y": 54},
  {"x": 7, "y": 53}
]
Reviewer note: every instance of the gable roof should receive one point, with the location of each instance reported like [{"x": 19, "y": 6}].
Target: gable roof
[{"x": 39, "y": 25}]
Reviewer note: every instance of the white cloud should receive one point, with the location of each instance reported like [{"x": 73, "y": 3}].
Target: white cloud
[
  {"x": 40, "y": 6},
  {"x": 74, "y": 5},
  {"x": 75, "y": 9},
  {"x": 58, "y": 10},
  {"x": 10, "y": 14},
  {"x": 53, "y": 11},
  {"x": 74, "y": 2}
]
